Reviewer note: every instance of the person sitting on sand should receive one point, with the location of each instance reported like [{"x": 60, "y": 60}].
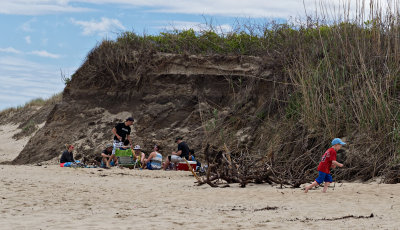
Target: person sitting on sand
[
  {"x": 108, "y": 159},
  {"x": 138, "y": 156},
  {"x": 178, "y": 156},
  {"x": 67, "y": 157},
  {"x": 328, "y": 161},
  {"x": 153, "y": 162},
  {"x": 193, "y": 158}
]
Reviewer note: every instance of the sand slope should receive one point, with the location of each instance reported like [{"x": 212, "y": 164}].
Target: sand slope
[
  {"x": 10, "y": 148},
  {"x": 47, "y": 197}
]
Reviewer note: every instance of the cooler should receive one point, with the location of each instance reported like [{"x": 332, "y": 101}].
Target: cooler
[{"x": 183, "y": 166}]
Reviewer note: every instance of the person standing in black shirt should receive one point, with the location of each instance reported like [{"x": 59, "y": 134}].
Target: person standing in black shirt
[
  {"x": 122, "y": 130},
  {"x": 121, "y": 133}
]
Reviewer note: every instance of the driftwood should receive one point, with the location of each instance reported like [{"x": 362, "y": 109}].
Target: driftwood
[
  {"x": 333, "y": 219},
  {"x": 192, "y": 170},
  {"x": 224, "y": 168}
]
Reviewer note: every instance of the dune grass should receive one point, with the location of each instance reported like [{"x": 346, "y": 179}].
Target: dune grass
[{"x": 37, "y": 102}]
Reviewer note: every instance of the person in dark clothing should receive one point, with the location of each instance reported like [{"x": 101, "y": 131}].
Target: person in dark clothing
[
  {"x": 191, "y": 155},
  {"x": 122, "y": 130},
  {"x": 67, "y": 155},
  {"x": 106, "y": 154},
  {"x": 121, "y": 133},
  {"x": 183, "y": 148},
  {"x": 180, "y": 155},
  {"x": 193, "y": 158}
]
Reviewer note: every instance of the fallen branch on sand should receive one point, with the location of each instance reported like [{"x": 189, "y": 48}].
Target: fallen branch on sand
[{"x": 333, "y": 219}]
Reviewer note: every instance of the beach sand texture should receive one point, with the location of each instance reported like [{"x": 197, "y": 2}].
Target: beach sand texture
[
  {"x": 9, "y": 147},
  {"x": 50, "y": 197}
]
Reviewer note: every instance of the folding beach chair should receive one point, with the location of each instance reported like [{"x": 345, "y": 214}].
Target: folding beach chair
[{"x": 125, "y": 158}]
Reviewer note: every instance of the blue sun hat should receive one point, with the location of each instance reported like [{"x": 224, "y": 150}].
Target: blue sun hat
[{"x": 337, "y": 141}]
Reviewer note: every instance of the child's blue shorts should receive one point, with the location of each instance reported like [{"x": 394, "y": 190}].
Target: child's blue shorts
[{"x": 323, "y": 177}]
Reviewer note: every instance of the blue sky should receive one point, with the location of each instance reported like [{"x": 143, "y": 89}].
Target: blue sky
[{"x": 42, "y": 38}]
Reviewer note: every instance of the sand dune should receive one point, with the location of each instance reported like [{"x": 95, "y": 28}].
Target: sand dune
[{"x": 10, "y": 148}]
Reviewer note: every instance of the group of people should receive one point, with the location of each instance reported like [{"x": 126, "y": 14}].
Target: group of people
[
  {"x": 154, "y": 161},
  {"x": 122, "y": 140}
]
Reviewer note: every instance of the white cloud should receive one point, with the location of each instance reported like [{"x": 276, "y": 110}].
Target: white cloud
[
  {"x": 100, "y": 27},
  {"x": 40, "y": 53},
  {"x": 39, "y": 7},
  {"x": 248, "y": 8},
  {"x": 32, "y": 79},
  {"x": 28, "y": 39},
  {"x": 10, "y": 50},
  {"x": 231, "y": 8},
  {"x": 43, "y": 53}
]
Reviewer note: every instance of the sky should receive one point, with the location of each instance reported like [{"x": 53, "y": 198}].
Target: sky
[{"x": 42, "y": 40}]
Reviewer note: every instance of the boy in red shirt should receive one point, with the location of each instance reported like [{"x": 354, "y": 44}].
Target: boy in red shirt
[{"x": 328, "y": 161}]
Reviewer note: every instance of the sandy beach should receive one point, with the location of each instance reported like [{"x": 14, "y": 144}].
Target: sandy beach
[{"x": 50, "y": 197}]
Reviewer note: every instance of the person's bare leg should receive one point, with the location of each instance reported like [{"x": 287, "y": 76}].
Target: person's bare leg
[
  {"x": 115, "y": 159},
  {"x": 166, "y": 164},
  {"x": 109, "y": 161},
  {"x": 326, "y": 186},
  {"x": 310, "y": 186},
  {"x": 105, "y": 161}
]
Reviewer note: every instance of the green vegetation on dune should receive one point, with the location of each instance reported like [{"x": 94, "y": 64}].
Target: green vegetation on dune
[{"x": 204, "y": 42}]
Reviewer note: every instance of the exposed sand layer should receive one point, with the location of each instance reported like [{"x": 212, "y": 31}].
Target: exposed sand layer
[
  {"x": 50, "y": 197},
  {"x": 9, "y": 147}
]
